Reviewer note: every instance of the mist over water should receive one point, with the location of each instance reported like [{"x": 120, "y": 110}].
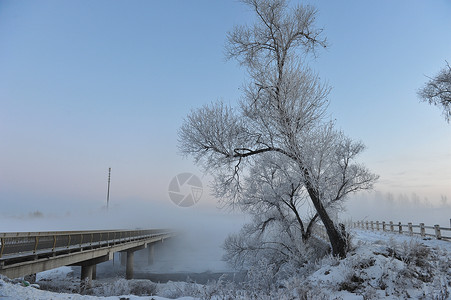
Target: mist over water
[{"x": 201, "y": 229}]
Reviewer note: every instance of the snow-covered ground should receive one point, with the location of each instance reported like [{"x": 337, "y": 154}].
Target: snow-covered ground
[
  {"x": 388, "y": 266},
  {"x": 381, "y": 266},
  {"x": 17, "y": 291}
]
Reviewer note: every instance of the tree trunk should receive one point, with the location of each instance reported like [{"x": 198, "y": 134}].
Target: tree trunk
[{"x": 337, "y": 240}]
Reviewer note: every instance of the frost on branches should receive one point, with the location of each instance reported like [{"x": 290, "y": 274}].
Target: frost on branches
[
  {"x": 276, "y": 154},
  {"x": 438, "y": 91}
]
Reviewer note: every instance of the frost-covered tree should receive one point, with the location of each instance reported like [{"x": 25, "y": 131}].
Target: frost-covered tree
[
  {"x": 273, "y": 193},
  {"x": 281, "y": 119},
  {"x": 438, "y": 91}
]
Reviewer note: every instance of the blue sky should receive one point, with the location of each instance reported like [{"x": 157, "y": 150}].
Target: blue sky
[{"x": 88, "y": 85}]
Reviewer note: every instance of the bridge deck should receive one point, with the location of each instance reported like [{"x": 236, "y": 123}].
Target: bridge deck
[{"x": 24, "y": 253}]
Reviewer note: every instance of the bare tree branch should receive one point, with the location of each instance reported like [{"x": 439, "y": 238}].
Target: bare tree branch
[{"x": 438, "y": 91}]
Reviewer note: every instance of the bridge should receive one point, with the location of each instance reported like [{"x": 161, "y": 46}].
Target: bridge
[{"x": 28, "y": 253}]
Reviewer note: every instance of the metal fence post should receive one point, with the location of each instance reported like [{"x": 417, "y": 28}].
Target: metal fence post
[
  {"x": 54, "y": 243},
  {"x": 36, "y": 241},
  {"x": 2, "y": 240}
]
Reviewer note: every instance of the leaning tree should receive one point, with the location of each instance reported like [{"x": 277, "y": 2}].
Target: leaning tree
[
  {"x": 282, "y": 222},
  {"x": 282, "y": 113}
]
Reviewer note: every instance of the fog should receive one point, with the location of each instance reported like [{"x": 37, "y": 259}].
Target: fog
[
  {"x": 197, "y": 248},
  {"x": 203, "y": 227},
  {"x": 404, "y": 208}
]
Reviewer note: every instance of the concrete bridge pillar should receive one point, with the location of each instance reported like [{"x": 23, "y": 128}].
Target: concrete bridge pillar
[
  {"x": 129, "y": 266},
  {"x": 123, "y": 258},
  {"x": 86, "y": 277},
  {"x": 94, "y": 272},
  {"x": 150, "y": 254}
]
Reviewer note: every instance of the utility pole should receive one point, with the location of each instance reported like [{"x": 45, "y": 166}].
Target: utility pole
[{"x": 108, "y": 191}]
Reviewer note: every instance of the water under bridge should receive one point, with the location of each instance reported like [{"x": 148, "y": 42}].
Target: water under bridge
[{"x": 28, "y": 253}]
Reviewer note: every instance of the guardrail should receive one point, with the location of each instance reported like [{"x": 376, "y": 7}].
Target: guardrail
[
  {"x": 13, "y": 244},
  {"x": 421, "y": 229}
]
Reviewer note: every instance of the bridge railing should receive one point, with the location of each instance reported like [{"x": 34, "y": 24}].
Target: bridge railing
[{"x": 31, "y": 243}]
